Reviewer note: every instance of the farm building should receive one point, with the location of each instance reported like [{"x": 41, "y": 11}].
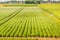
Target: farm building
[
  {"x": 29, "y": 1},
  {"x": 50, "y": 1},
  {"x": 12, "y": 1}
]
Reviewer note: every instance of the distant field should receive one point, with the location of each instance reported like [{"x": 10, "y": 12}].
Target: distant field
[
  {"x": 52, "y": 9},
  {"x": 30, "y": 21}
]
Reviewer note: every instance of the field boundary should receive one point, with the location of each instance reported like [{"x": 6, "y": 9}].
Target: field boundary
[{"x": 28, "y": 38}]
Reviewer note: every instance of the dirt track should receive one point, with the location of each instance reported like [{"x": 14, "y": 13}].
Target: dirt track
[
  {"x": 28, "y": 38},
  {"x": 49, "y": 39}
]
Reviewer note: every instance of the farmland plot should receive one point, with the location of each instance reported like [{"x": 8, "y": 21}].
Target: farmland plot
[
  {"x": 52, "y": 10},
  {"x": 5, "y": 11},
  {"x": 29, "y": 22}
]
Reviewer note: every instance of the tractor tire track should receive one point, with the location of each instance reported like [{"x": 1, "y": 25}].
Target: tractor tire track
[
  {"x": 8, "y": 15},
  {"x": 11, "y": 16}
]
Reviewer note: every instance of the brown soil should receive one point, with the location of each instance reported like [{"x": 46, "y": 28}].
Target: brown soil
[{"x": 31, "y": 38}]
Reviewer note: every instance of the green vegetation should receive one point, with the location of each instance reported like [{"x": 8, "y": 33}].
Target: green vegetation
[
  {"x": 20, "y": 5},
  {"x": 27, "y": 22},
  {"x": 52, "y": 9},
  {"x": 5, "y": 12},
  {"x": 17, "y": 38},
  {"x": 32, "y": 1}
]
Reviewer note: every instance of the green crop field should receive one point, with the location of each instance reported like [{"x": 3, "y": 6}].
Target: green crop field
[
  {"x": 53, "y": 10},
  {"x": 29, "y": 22}
]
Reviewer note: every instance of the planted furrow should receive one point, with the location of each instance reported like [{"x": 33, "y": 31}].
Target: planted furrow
[
  {"x": 25, "y": 32},
  {"x": 29, "y": 22},
  {"x": 22, "y": 27},
  {"x": 9, "y": 15},
  {"x": 17, "y": 12},
  {"x": 11, "y": 29},
  {"x": 18, "y": 29},
  {"x": 5, "y": 28},
  {"x": 38, "y": 26},
  {"x": 29, "y": 27}
]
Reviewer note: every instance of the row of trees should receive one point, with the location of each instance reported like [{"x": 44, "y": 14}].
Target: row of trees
[
  {"x": 22, "y": 1},
  {"x": 31, "y": 1}
]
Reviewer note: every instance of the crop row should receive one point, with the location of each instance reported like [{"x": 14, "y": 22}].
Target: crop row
[
  {"x": 30, "y": 24},
  {"x": 7, "y": 18},
  {"x": 5, "y": 12}
]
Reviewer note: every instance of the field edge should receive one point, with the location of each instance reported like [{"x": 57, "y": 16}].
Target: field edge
[{"x": 28, "y": 38}]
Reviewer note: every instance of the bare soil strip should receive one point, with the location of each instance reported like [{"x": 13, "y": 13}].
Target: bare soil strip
[
  {"x": 27, "y": 38},
  {"x": 48, "y": 38}
]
